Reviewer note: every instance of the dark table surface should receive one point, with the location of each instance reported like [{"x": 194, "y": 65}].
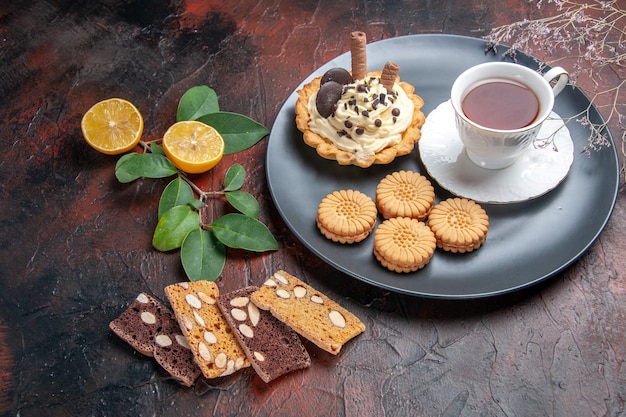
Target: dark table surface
[{"x": 75, "y": 244}]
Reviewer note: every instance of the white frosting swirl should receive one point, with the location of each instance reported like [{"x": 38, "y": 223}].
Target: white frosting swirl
[{"x": 367, "y": 120}]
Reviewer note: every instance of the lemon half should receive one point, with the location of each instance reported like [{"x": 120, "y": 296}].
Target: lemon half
[{"x": 193, "y": 147}]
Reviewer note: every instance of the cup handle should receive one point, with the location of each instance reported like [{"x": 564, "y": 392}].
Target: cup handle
[{"x": 560, "y": 75}]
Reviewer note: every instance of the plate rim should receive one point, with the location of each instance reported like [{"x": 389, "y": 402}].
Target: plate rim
[{"x": 449, "y": 296}]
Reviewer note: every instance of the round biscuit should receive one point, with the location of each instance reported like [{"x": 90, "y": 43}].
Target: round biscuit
[
  {"x": 346, "y": 216},
  {"x": 459, "y": 224},
  {"x": 403, "y": 244},
  {"x": 405, "y": 194}
]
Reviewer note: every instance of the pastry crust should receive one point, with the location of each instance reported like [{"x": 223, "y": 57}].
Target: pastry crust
[{"x": 326, "y": 149}]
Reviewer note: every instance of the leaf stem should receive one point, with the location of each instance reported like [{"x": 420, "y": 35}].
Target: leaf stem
[
  {"x": 203, "y": 195},
  {"x": 145, "y": 145}
]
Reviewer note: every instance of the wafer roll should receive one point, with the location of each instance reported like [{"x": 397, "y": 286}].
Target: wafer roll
[
  {"x": 389, "y": 75},
  {"x": 358, "y": 42}
]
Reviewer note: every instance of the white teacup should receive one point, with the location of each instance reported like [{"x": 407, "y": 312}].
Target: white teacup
[{"x": 498, "y": 148}]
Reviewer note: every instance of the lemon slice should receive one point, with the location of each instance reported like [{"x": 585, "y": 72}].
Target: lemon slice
[
  {"x": 193, "y": 147},
  {"x": 112, "y": 126}
]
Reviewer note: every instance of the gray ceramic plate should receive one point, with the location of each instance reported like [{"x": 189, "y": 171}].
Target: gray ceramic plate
[{"x": 527, "y": 242}]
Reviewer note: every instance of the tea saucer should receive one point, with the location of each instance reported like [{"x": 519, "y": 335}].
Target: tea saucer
[{"x": 536, "y": 172}]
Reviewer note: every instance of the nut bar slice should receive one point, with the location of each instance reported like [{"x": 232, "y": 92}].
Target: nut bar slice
[
  {"x": 272, "y": 347},
  {"x": 309, "y": 312},
  {"x": 151, "y": 329},
  {"x": 214, "y": 347}
]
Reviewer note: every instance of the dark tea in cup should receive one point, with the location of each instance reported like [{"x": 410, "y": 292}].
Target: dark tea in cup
[
  {"x": 510, "y": 104},
  {"x": 501, "y": 104}
]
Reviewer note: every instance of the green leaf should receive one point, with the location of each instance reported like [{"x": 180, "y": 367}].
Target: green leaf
[
  {"x": 156, "y": 149},
  {"x": 177, "y": 193},
  {"x": 239, "y": 132},
  {"x": 195, "y": 203},
  {"x": 202, "y": 255},
  {"x": 244, "y": 202},
  {"x": 173, "y": 227},
  {"x": 243, "y": 232},
  {"x": 137, "y": 165},
  {"x": 235, "y": 176},
  {"x": 196, "y": 102}
]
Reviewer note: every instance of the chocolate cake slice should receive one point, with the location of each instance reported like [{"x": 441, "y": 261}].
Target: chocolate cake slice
[
  {"x": 271, "y": 346},
  {"x": 151, "y": 329}
]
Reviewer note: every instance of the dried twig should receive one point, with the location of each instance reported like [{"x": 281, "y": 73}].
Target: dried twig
[{"x": 592, "y": 36}]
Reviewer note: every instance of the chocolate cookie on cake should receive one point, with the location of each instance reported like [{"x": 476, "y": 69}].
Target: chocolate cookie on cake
[{"x": 360, "y": 118}]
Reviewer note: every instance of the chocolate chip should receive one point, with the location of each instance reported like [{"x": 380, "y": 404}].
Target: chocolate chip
[
  {"x": 327, "y": 98},
  {"x": 395, "y": 111},
  {"x": 360, "y": 131},
  {"x": 338, "y": 75},
  {"x": 348, "y": 124},
  {"x": 378, "y": 122}
]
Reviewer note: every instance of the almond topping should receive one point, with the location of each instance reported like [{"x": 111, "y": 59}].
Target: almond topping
[
  {"x": 270, "y": 283},
  {"x": 281, "y": 278},
  {"x": 259, "y": 356},
  {"x": 148, "y": 318},
  {"x": 253, "y": 312},
  {"x": 210, "y": 338},
  {"x": 220, "y": 360},
  {"x": 239, "y": 301},
  {"x": 183, "y": 284},
  {"x": 238, "y": 314},
  {"x": 163, "y": 340},
  {"x": 282, "y": 294},
  {"x": 239, "y": 362},
  {"x": 206, "y": 298},
  {"x": 188, "y": 323},
  {"x": 230, "y": 368},
  {"x": 199, "y": 319},
  {"x": 193, "y": 301},
  {"x": 204, "y": 352},
  {"x": 246, "y": 330},
  {"x": 337, "y": 319},
  {"x": 299, "y": 291},
  {"x": 142, "y": 298},
  {"x": 317, "y": 299},
  {"x": 182, "y": 340}
]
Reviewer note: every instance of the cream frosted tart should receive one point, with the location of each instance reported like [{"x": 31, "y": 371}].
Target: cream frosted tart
[
  {"x": 369, "y": 126},
  {"x": 360, "y": 118}
]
